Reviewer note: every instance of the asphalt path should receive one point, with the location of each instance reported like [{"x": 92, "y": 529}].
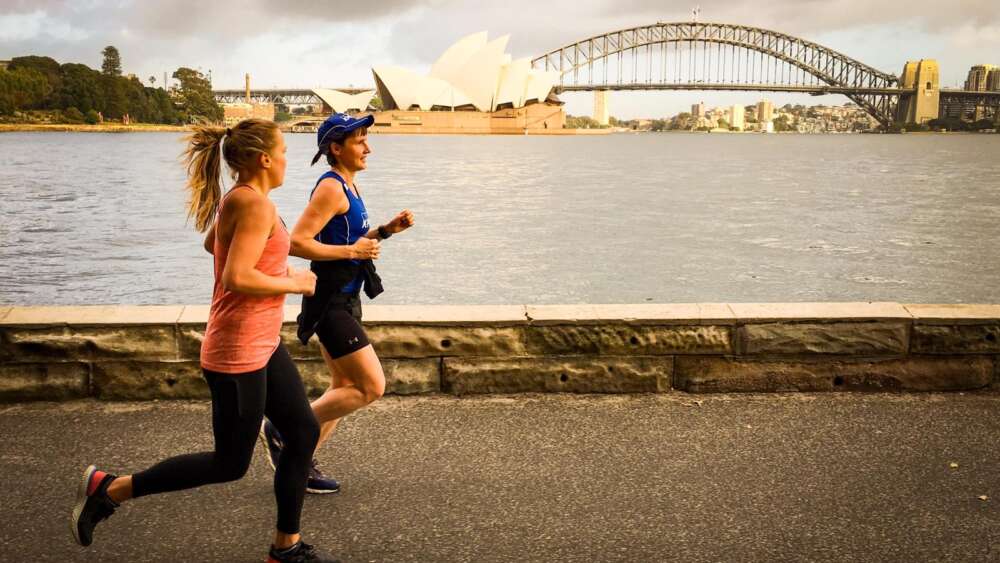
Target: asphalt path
[{"x": 799, "y": 477}]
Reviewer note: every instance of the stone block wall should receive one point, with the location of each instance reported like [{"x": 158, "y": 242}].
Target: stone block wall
[{"x": 151, "y": 352}]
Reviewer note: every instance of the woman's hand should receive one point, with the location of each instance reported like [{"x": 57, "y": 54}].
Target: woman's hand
[
  {"x": 401, "y": 222},
  {"x": 364, "y": 249},
  {"x": 305, "y": 281}
]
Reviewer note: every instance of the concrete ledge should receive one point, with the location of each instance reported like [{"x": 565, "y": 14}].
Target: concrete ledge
[
  {"x": 657, "y": 314},
  {"x": 125, "y": 352},
  {"x": 953, "y": 314}
]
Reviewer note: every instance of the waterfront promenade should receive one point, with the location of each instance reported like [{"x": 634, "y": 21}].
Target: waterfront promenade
[{"x": 672, "y": 477}]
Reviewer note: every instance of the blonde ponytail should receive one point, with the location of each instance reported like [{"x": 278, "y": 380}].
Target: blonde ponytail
[
  {"x": 240, "y": 149},
  {"x": 203, "y": 157}
]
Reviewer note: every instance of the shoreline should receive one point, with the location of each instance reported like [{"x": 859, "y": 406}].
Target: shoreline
[
  {"x": 159, "y": 128},
  {"x": 84, "y": 128}
]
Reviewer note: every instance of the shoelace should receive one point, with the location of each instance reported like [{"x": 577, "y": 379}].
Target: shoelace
[{"x": 314, "y": 471}]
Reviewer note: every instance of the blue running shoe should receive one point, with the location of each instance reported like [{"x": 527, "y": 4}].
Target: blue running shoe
[
  {"x": 319, "y": 484},
  {"x": 272, "y": 442}
]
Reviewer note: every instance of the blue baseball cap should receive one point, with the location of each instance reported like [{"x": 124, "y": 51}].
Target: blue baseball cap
[{"x": 338, "y": 125}]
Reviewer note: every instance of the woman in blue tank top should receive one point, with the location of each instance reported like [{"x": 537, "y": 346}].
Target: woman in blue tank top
[{"x": 335, "y": 235}]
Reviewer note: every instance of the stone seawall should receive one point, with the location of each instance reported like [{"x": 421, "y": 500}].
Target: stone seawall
[{"x": 151, "y": 352}]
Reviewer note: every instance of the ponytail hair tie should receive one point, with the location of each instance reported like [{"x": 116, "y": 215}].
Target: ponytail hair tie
[{"x": 229, "y": 132}]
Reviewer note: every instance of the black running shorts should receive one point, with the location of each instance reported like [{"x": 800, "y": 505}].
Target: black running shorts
[{"x": 340, "y": 330}]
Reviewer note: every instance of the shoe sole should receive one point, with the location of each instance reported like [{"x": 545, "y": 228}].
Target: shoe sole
[
  {"x": 263, "y": 442},
  {"x": 81, "y": 501},
  {"x": 321, "y": 491}
]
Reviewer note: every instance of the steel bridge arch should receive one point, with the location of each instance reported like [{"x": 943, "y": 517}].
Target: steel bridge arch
[{"x": 875, "y": 91}]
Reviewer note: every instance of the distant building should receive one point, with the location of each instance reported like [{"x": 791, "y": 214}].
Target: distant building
[
  {"x": 765, "y": 111},
  {"x": 473, "y": 74},
  {"x": 737, "y": 118},
  {"x": 698, "y": 110},
  {"x": 474, "y": 87},
  {"x": 234, "y": 113},
  {"x": 979, "y": 78}
]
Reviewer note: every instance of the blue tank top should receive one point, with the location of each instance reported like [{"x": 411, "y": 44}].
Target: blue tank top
[{"x": 346, "y": 228}]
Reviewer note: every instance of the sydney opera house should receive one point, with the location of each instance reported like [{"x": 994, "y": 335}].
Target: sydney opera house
[{"x": 474, "y": 87}]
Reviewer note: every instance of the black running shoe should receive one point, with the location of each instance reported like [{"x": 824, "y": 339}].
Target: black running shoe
[
  {"x": 92, "y": 504},
  {"x": 272, "y": 442},
  {"x": 319, "y": 484},
  {"x": 301, "y": 552}
]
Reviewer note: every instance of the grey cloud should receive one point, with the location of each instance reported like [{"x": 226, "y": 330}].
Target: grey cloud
[{"x": 234, "y": 18}]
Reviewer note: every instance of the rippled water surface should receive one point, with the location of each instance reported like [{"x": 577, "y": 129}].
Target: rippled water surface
[{"x": 99, "y": 218}]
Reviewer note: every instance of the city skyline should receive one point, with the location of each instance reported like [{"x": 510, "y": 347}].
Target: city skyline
[{"x": 309, "y": 44}]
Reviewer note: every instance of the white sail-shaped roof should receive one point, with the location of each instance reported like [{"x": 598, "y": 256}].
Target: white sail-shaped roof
[
  {"x": 513, "y": 83},
  {"x": 472, "y": 72},
  {"x": 480, "y": 75},
  {"x": 450, "y": 63},
  {"x": 342, "y": 102},
  {"x": 540, "y": 83}
]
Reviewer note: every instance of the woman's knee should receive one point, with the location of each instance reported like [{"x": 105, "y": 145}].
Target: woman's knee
[
  {"x": 231, "y": 469},
  {"x": 302, "y": 437},
  {"x": 373, "y": 388}
]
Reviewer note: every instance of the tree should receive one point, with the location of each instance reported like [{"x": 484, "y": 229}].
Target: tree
[
  {"x": 112, "y": 65},
  {"x": 49, "y": 69},
  {"x": 73, "y": 115},
  {"x": 195, "y": 94},
  {"x": 20, "y": 89},
  {"x": 152, "y": 81},
  {"x": 781, "y": 123},
  {"x": 81, "y": 88}
]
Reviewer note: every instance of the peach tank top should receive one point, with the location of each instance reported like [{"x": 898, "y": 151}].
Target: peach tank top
[{"x": 244, "y": 330}]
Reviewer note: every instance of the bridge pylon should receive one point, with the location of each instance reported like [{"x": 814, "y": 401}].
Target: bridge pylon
[
  {"x": 602, "y": 113},
  {"x": 923, "y": 104}
]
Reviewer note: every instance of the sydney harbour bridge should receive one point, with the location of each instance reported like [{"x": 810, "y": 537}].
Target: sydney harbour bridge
[{"x": 715, "y": 56}]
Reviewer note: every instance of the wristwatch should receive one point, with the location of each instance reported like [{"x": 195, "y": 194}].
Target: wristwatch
[{"x": 383, "y": 232}]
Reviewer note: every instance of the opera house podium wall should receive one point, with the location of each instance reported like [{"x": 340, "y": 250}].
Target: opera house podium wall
[{"x": 534, "y": 119}]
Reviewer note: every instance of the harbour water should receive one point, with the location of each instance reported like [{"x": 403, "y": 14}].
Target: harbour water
[{"x": 625, "y": 218}]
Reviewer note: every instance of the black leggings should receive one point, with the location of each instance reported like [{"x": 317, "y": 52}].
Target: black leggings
[{"x": 239, "y": 403}]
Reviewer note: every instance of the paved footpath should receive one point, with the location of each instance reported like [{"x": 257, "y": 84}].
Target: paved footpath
[{"x": 828, "y": 477}]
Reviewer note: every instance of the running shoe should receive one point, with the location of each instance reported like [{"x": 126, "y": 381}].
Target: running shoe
[
  {"x": 271, "y": 439},
  {"x": 319, "y": 484},
  {"x": 301, "y": 552},
  {"x": 92, "y": 504}
]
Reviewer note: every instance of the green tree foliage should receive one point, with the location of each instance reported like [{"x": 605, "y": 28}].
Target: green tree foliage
[
  {"x": 73, "y": 115},
  {"x": 21, "y": 89},
  {"x": 45, "y": 66},
  {"x": 195, "y": 95},
  {"x": 112, "y": 65},
  {"x": 41, "y": 83},
  {"x": 581, "y": 122},
  {"x": 81, "y": 88},
  {"x": 659, "y": 125},
  {"x": 91, "y": 117}
]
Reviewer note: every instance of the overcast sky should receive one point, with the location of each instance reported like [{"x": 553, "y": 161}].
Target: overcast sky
[{"x": 313, "y": 43}]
